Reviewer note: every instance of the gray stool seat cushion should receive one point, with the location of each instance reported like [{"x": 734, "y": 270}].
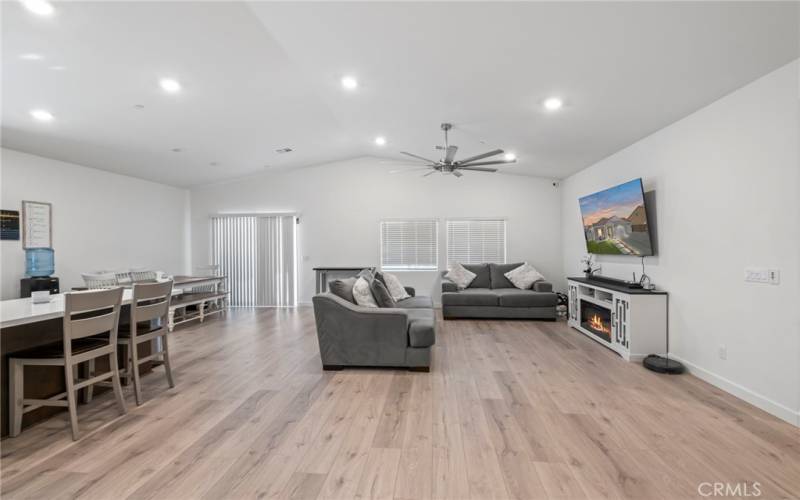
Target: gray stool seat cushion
[
  {"x": 514, "y": 297},
  {"x": 420, "y": 302},
  {"x": 421, "y": 327},
  {"x": 471, "y": 297}
]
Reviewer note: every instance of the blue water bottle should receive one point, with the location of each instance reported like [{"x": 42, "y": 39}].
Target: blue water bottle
[{"x": 39, "y": 262}]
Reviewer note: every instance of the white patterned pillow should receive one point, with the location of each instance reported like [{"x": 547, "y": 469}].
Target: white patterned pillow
[
  {"x": 524, "y": 276},
  {"x": 395, "y": 287},
  {"x": 363, "y": 294},
  {"x": 460, "y": 275}
]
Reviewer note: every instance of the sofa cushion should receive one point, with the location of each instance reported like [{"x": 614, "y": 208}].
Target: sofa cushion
[
  {"x": 343, "y": 288},
  {"x": 481, "y": 271},
  {"x": 396, "y": 288},
  {"x": 381, "y": 294},
  {"x": 524, "y": 276},
  {"x": 514, "y": 297},
  {"x": 416, "y": 303},
  {"x": 498, "y": 278},
  {"x": 460, "y": 275},
  {"x": 421, "y": 327},
  {"x": 471, "y": 297},
  {"x": 363, "y": 294}
]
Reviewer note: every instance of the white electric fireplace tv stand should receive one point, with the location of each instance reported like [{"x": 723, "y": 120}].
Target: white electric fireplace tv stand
[{"x": 630, "y": 322}]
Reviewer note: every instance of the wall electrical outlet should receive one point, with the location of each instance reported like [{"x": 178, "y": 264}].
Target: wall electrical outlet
[
  {"x": 723, "y": 352},
  {"x": 774, "y": 276}
]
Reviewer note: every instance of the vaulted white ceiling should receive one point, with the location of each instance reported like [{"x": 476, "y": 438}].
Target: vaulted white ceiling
[{"x": 261, "y": 76}]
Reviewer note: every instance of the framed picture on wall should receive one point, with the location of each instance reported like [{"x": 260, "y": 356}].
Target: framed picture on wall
[
  {"x": 9, "y": 224},
  {"x": 37, "y": 227}
]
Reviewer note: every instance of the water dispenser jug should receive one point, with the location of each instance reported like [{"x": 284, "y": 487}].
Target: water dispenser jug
[{"x": 39, "y": 262}]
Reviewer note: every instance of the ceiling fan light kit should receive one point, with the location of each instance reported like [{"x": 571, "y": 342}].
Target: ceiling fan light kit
[{"x": 447, "y": 164}]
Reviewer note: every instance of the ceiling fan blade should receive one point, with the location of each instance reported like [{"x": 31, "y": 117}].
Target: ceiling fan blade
[
  {"x": 481, "y": 156},
  {"x": 429, "y": 173},
  {"x": 451, "y": 153},
  {"x": 477, "y": 169},
  {"x": 491, "y": 162},
  {"x": 457, "y": 173},
  {"x": 412, "y": 169},
  {"x": 418, "y": 157}
]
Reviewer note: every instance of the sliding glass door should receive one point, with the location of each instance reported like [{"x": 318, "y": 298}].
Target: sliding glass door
[{"x": 258, "y": 255}]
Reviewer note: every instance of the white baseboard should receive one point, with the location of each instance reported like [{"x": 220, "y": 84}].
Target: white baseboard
[{"x": 755, "y": 399}]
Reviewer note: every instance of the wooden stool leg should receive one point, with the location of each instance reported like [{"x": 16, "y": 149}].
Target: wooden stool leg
[
  {"x": 165, "y": 355},
  {"x": 137, "y": 383},
  {"x": 16, "y": 371},
  {"x": 72, "y": 403},
  {"x": 112, "y": 360},
  {"x": 88, "y": 392}
]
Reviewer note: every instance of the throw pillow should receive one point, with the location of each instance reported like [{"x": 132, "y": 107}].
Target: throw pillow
[
  {"x": 396, "y": 288},
  {"x": 343, "y": 288},
  {"x": 524, "y": 276},
  {"x": 459, "y": 275},
  {"x": 363, "y": 294},
  {"x": 381, "y": 294}
]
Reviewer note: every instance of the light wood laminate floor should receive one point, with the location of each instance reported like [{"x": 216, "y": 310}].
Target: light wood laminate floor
[{"x": 510, "y": 409}]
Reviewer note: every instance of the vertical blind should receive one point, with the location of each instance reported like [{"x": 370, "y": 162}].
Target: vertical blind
[
  {"x": 257, "y": 254},
  {"x": 476, "y": 241},
  {"x": 409, "y": 244}
]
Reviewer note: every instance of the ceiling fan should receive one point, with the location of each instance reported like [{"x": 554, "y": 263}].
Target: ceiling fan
[{"x": 448, "y": 164}]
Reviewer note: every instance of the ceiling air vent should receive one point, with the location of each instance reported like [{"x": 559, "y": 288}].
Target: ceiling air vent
[{"x": 283, "y": 150}]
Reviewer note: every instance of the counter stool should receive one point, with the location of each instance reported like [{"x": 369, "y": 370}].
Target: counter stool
[
  {"x": 87, "y": 315},
  {"x": 150, "y": 302}
]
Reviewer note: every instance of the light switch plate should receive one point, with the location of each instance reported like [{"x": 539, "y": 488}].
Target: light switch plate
[{"x": 762, "y": 275}]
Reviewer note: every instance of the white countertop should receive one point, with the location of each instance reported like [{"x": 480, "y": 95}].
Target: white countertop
[{"x": 23, "y": 311}]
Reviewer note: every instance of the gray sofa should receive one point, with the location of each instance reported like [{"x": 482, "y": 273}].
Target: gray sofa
[
  {"x": 492, "y": 295},
  {"x": 352, "y": 335}
]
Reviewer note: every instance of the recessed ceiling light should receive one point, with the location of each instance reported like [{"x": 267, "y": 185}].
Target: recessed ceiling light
[
  {"x": 31, "y": 57},
  {"x": 380, "y": 140},
  {"x": 282, "y": 151},
  {"x": 138, "y": 106},
  {"x": 553, "y": 104},
  {"x": 170, "y": 85},
  {"x": 176, "y": 150},
  {"x": 213, "y": 164},
  {"x": 349, "y": 83},
  {"x": 510, "y": 157},
  {"x": 42, "y": 115},
  {"x": 39, "y": 7}
]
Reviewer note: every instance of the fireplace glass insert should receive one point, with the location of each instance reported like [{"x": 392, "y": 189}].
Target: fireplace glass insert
[{"x": 596, "y": 319}]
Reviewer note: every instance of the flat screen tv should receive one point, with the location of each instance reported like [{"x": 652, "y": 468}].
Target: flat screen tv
[{"x": 615, "y": 221}]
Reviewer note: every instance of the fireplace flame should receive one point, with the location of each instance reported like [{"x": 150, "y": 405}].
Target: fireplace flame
[{"x": 596, "y": 322}]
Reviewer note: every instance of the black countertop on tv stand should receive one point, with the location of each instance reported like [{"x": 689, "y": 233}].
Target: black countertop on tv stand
[{"x": 617, "y": 288}]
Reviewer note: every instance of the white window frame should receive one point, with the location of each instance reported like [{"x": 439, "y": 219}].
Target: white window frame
[
  {"x": 402, "y": 268},
  {"x": 504, "y": 220}
]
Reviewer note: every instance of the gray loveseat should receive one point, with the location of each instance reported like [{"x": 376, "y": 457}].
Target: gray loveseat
[
  {"x": 352, "y": 335},
  {"x": 492, "y": 295}
]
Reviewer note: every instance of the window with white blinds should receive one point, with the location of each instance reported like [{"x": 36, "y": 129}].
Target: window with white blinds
[
  {"x": 409, "y": 244},
  {"x": 257, "y": 254},
  {"x": 476, "y": 241}
]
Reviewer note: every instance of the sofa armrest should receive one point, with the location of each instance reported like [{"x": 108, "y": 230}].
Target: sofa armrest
[
  {"x": 350, "y": 334},
  {"x": 410, "y": 290},
  {"x": 542, "y": 286},
  {"x": 448, "y": 286}
]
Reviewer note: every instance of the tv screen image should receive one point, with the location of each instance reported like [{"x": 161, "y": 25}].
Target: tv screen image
[{"x": 615, "y": 221}]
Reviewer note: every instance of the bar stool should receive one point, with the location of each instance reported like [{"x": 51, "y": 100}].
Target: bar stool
[
  {"x": 87, "y": 315},
  {"x": 150, "y": 302}
]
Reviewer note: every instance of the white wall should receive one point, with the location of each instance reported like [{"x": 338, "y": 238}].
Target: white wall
[
  {"x": 100, "y": 220},
  {"x": 727, "y": 180},
  {"x": 341, "y": 204}
]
